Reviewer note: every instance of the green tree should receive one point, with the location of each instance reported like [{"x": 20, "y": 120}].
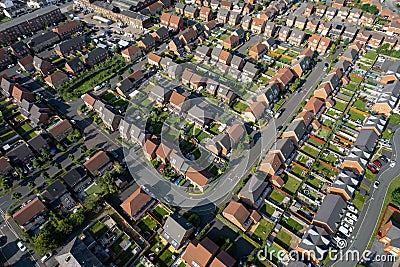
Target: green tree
[
  {"x": 57, "y": 165},
  {"x": 118, "y": 169},
  {"x": 396, "y": 196},
  {"x": 5, "y": 182},
  {"x": 83, "y": 149},
  {"x": 91, "y": 202},
  {"x": 77, "y": 218},
  {"x": 31, "y": 185},
  {"x": 16, "y": 195},
  {"x": 107, "y": 183},
  {"x": 44, "y": 241}
]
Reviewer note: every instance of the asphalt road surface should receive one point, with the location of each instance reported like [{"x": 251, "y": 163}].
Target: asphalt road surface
[{"x": 370, "y": 215}]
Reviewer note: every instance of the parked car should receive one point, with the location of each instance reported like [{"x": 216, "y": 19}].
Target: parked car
[
  {"x": 351, "y": 216},
  {"x": 384, "y": 159},
  {"x": 348, "y": 221},
  {"x": 21, "y": 246},
  {"x": 392, "y": 163},
  {"x": 352, "y": 209},
  {"x": 376, "y": 184},
  {"x": 377, "y": 163},
  {"x": 344, "y": 231},
  {"x": 372, "y": 168},
  {"x": 46, "y": 257}
]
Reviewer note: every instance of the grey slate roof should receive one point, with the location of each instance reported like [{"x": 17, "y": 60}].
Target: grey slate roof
[
  {"x": 366, "y": 140},
  {"x": 254, "y": 187},
  {"x": 298, "y": 127},
  {"x": 54, "y": 191},
  {"x": 330, "y": 211},
  {"x": 286, "y": 146},
  {"x": 176, "y": 228}
]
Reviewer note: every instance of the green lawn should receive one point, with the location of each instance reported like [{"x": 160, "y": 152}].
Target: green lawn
[
  {"x": 314, "y": 142},
  {"x": 395, "y": 119},
  {"x": 291, "y": 224},
  {"x": 239, "y": 107},
  {"x": 147, "y": 224},
  {"x": 156, "y": 246},
  {"x": 283, "y": 239},
  {"x": 358, "y": 200},
  {"x": 370, "y": 55},
  {"x": 369, "y": 175},
  {"x": 93, "y": 189},
  {"x": 330, "y": 158},
  {"x": 146, "y": 102},
  {"x": 24, "y": 128},
  {"x": 202, "y": 136},
  {"x": 98, "y": 229},
  {"x": 214, "y": 129},
  {"x": 334, "y": 148},
  {"x": 7, "y": 135},
  {"x": 323, "y": 133},
  {"x": 276, "y": 196},
  {"x": 310, "y": 151},
  {"x": 166, "y": 258},
  {"x": 302, "y": 159},
  {"x": 108, "y": 96},
  {"x": 340, "y": 106},
  {"x": 291, "y": 185},
  {"x": 298, "y": 171},
  {"x": 267, "y": 209},
  {"x": 355, "y": 79},
  {"x": 263, "y": 229},
  {"x": 278, "y": 105},
  {"x": 350, "y": 86},
  {"x": 360, "y": 105},
  {"x": 159, "y": 212},
  {"x": 119, "y": 103},
  {"x": 316, "y": 183},
  {"x": 115, "y": 247},
  {"x": 387, "y": 134},
  {"x": 322, "y": 169},
  {"x": 356, "y": 116}
]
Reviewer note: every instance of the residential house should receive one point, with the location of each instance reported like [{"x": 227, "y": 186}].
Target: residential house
[
  {"x": 323, "y": 91},
  {"x": 312, "y": 25},
  {"x": 237, "y": 62},
  {"x": 77, "y": 252},
  {"x": 338, "y": 3},
  {"x": 32, "y": 215},
  {"x": 98, "y": 164},
  {"x": 231, "y": 42},
  {"x": 42, "y": 66},
  {"x": 20, "y": 93},
  {"x": 268, "y": 94},
  {"x": 350, "y": 55},
  {"x": 389, "y": 229},
  {"x": 160, "y": 94},
  {"x": 131, "y": 53},
  {"x": 257, "y": 51},
  {"x": 26, "y": 64},
  {"x": 177, "y": 230},
  {"x": 257, "y": 25},
  {"x": 205, "y": 14},
  {"x": 324, "y": 45},
  {"x": 333, "y": 80},
  {"x": 20, "y": 49},
  {"x": 283, "y": 77},
  {"x": 188, "y": 36},
  {"x": 376, "y": 40},
  {"x": 223, "y": 15},
  {"x": 226, "y": 4},
  {"x": 199, "y": 114},
  {"x": 320, "y": 10},
  {"x": 301, "y": 65},
  {"x": 247, "y": 22},
  {"x": 308, "y": 10},
  {"x": 95, "y": 56},
  {"x": 296, "y": 131},
  {"x": 226, "y": 94},
  {"x": 137, "y": 204},
  {"x": 74, "y": 66},
  {"x": 164, "y": 152},
  {"x": 67, "y": 29},
  {"x": 5, "y": 58},
  {"x": 56, "y": 79},
  {"x": 254, "y": 112},
  {"x": 60, "y": 130},
  {"x": 240, "y": 216},
  {"x": 336, "y": 30},
  {"x": 316, "y": 241},
  {"x": 250, "y": 71},
  {"x": 290, "y": 20},
  {"x": 367, "y": 19},
  {"x": 53, "y": 192},
  {"x": 220, "y": 145},
  {"x": 199, "y": 254},
  {"x": 354, "y": 15},
  {"x": 296, "y": 37},
  {"x": 7, "y": 86},
  {"x": 343, "y": 13},
  {"x": 363, "y": 36},
  {"x": 270, "y": 28},
  {"x": 153, "y": 59},
  {"x": 271, "y": 164},
  {"x": 198, "y": 177},
  {"x": 350, "y": 33},
  {"x": 177, "y": 102},
  {"x": 301, "y": 23},
  {"x": 324, "y": 28},
  {"x": 330, "y": 13},
  {"x": 191, "y": 12},
  {"x": 313, "y": 42},
  {"x": 356, "y": 161},
  {"x": 234, "y": 18},
  {"x": 315, "y": 106},
  {"x": 69, "y": 46},
  {"x": 284, "y": 148},
  {"x": 254, "y": 191},
  {"x": 223, "y": 259},
  {"x": 43, "y": 41},
  {"x": 147, "y": 43},
  {"x": 345, "y": 185},
  {"x": 284, "y": 33},
  {"x": 366, "y": 140},
  {"x": 329, "y": 214}
]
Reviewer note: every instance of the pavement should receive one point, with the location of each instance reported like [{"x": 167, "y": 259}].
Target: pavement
[{"x": 370, "y": 214}]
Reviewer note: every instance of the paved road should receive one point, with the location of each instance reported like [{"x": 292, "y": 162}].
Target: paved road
[
  {"x": 369, "y": 217},
  {"x": 220, "y": 192}
]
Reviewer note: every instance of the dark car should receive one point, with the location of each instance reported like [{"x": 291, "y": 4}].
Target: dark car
[
  {"x": 377, "y": 163},
  {"x": 384, "y": 159},
  {"x": 372, "y": 168},
  {"x": 279, "y": 128}
]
